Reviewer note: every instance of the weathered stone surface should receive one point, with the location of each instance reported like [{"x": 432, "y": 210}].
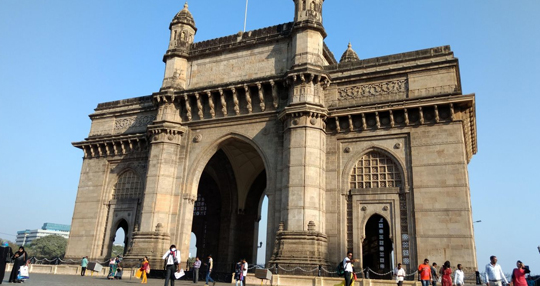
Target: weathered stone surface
[{"x": 271, "y": 113}]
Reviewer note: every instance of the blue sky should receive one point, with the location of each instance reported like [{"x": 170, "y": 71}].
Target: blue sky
[{"x": 60, "y": 58}]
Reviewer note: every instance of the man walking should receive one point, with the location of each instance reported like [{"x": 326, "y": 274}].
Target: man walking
[
  {"x": 244, "y": 271},
  {"x": 196, "y": 267},
  {"x": 348, "y": 269},
  {"x": 210, "y": 266},
  {"x": 172, "y": 259},
  {"x": 494, "y": 273},
  {"x": 424, "y": 271},
  {"x": 434, "y": 275},
  {"x": 84, "y": 263}
]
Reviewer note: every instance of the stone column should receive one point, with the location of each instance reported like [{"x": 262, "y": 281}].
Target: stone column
[
  {"x": 161, "y": 197},
  {"x": 303, "y": 240}
]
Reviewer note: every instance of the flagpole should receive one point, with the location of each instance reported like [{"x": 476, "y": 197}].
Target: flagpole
[{"x": 245, "y": 16}]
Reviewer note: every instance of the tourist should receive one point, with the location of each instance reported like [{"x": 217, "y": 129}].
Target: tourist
[
  {"x": 196, "y": 268},
  {"x": 245, "y": 266},
  {"x": 145, "y": 269},
  {"x": 84, "y": 263},
  {"x": 446, "y": 271},
  {"x": 238, "y": 272},
  {"x": 119, "y": 268},
  {"x": 112, "y": 268},
  {"x": 531, "y": 281},
  {"x": 518, "y": 274},
  {"x": 434, "y": 275},
  {"x": 424, "y": 271},
  {"x": 19, "y": 259},
  {"x": 400, "y": 274},
  {"x": 494, "y": 273},
  {"x": 459, "y": 277},
  {"x": 172, "y": 257},
  {"x": 348, "y": 267},
  {"x": 210, "y": 266},
  {"x": 5, "y": 256}
]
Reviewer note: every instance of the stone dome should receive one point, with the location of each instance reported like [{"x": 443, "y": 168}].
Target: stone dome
[
  {"x": 184, "y": 17},
  {"x": 349, "y": 55}
]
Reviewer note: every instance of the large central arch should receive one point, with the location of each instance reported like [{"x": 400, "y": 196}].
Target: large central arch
[{"x": 230, "y": 189}]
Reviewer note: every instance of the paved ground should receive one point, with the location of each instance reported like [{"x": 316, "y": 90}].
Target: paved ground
[{"x": 64, "y": 280}]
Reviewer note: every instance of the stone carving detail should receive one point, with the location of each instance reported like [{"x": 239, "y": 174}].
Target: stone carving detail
[
  {"x": 139, "y": 121},
  {"x": 211, "y": 104},
  {"x": 235, "y": 101},
  {"x": 223, "y": 102},
  {"x": 372, "y": 89},
  {"x": 261, "y": 96},
  {"x": 188, "y": 107},
  {"x": 248, "y": 99},
  {"x": 197, "y": 138}
]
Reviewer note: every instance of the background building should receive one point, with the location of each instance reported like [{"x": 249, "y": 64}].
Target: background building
[{"x": 25, "y": 237}]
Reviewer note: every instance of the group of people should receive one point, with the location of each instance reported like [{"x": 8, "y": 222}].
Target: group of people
[
  {"x": 19, "y": 258},
  {"x": 240, "y": 272},
  {"x": 116, "y": 268},
  {"x": 494, "y": 276},
  {"x": 172, "y": 260},
  {"x": 429, "y": 275}
]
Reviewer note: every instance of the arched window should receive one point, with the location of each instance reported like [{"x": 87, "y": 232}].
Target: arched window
[
  {"x": 128, "y": 186},
  {"x": 375, "y": 170}
]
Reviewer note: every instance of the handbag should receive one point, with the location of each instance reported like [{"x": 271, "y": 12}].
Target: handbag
[
  {"x": 23, "y": 273},
  {"x": 179, "y": 274},
  {"x": 147, "y": 269},
  {"x": 138, "y": 274},
  {"x": 355, "y": 278}
]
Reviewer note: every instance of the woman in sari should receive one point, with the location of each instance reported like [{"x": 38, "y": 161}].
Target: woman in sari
[
  {"x": 19, "y": 259},
  {"x": 144, "y": 269},
  {"x": 112, "y": 268}
]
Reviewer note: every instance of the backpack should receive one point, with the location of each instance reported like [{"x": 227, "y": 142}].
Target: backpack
[{"x": 340, "y": 270}]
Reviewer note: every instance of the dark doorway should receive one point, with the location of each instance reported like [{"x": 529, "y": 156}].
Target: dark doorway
[
  {"x": 377, "y": 248},
  {"x": 227, "y": 210}
]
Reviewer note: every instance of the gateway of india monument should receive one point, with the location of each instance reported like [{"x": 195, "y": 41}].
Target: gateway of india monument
[{"x": 361, "y": 155}]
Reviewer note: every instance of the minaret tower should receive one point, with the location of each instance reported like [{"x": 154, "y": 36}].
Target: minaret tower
[
  {"x": 301, "y": 239},
  {"x": 183, "y": 31},
  {"x": 158, "y": 225}
]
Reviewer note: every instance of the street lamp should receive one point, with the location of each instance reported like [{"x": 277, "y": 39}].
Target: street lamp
[
  {"x": 539, "y": 248},
  {"x": 477, "y": 221},
  {"x": 260, "y": 245}
]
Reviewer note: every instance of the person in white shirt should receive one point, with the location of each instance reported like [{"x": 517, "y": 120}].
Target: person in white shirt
[
  {"x": 459, "y": 276},
  {"x": 172, "y": 257},
  {"x": 244, "y": 271},
  {"x": 347, "y": 266},
  {"x": 494, "y": 273},
  {"x": 400, "y": 274}
]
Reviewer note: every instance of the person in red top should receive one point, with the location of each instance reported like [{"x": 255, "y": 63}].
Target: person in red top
[
  {"x": 518, "y": 275},
  {"x": 446, "y": 271},
  {"x": 424, "y": 271}
]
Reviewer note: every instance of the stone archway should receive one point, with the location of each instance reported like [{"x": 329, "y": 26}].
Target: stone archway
[
  {"x": 377, "y": 246},
  {"x": 226, "y": 211}
]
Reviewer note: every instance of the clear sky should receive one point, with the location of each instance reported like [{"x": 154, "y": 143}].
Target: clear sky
[{"x": 60, "y": 58}]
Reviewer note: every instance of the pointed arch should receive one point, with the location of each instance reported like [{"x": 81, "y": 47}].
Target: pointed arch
[{"x": 205, "y": 156}]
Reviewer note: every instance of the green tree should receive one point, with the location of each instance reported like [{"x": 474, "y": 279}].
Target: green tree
[
  {"x": 48, "y": 247},
  {"x": 117, "y": 250}
]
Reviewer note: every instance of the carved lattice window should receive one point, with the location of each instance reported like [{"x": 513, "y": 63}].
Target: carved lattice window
[
  {"x": 129, "y": 186},
  {"x": 375, "y": 170},
  {"x": 200, "y": 206}
]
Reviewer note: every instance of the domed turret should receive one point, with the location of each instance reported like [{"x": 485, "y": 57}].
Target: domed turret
[
  {"x": 184, "y": 17},
  {"x": 349, "y": 55},
  {"x": 183, "y": 31}
]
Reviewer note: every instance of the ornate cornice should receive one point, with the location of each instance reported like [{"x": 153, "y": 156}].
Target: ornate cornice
[{"x": 110, "y": 146}]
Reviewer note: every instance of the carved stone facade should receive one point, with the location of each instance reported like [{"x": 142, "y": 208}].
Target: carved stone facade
[{"x": 364, "y": 155}]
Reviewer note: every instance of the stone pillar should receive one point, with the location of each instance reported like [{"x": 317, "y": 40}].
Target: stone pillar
[
  {"x": 303, "y": 240},
  {"x": 162, "y": 196}
]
